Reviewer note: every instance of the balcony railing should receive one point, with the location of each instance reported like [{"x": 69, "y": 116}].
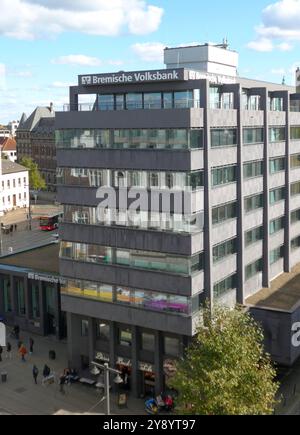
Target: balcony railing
[{"x": 94, "y": 107}]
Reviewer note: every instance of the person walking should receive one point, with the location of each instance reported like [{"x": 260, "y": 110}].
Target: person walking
[
  {"x": 23, "y": 352},
  {"x": 35, "y": 373},
  {"x": 8, "y": 351},
  {"x": 31, "y": 344},
  {"x": 16, "y": 332},
  {"x": 1, "y": 352},
  {"x": 62, "y": 381}
]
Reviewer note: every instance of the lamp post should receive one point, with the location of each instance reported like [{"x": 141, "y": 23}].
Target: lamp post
[
  {"x": 107, "y": 371},
  {"x": 29, "y": 207}
]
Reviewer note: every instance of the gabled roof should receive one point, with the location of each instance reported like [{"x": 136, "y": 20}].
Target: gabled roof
[
  {"x": 8, "y": 144},
  {"x": 9, "y": 167},
  {"x": 22, "y": 121},
  {"x": 45, "y": 126},
  {"x": 34, "y": 118}
]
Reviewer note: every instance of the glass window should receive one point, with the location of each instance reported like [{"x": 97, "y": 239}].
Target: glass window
[
  {"x": 223, "y": 137},
  {"x": 223, "y": 213},
  {"x": 148, "y": 341},
  {"x": 134, "y": 101},
  {"x": 276, "y": 225},
  {"x": 276, "y": 255},
  {"x": 106, "y": 102},
  {"x": 295, "y": 189},
  {"x": 168, "y": 100},
  {"x": 295, "y": 133},
  {"x": 295, "y": 243},
  {"x": 183, "y": 99},
  {"x": 171, "y": 346},
  {"x": 196, "y": 138},
  {"x": 224, "y": 175},
  {"x": 84, "y": 328},
  {"x": 103, "y": 331},
  {"x": 295, "y": 161},
  {"x": 120, "y": 102},
  {"x": 224, "y": 286},
  {"x": 125, "y": 337},
  {"x": 215, "y": 97},
  {"x": 277, "y": 195},
  {"x": 35, "y": 299},
  {"x": 253, "y": 236},
  {"x": 253, "y": 269},
  {"x": 295, "y": 216},
  {"x": 253, "y": 169},
  {"x": 223, "y": 250},
  {"x": 152, "y": 100},
  {"x": 254, "y": 202},
  {"x": 277, "y": 165},
  {"x": 21, "y": 297},
  {"x": 7, "y": 294},
  {"x": 277, "y": 134}
]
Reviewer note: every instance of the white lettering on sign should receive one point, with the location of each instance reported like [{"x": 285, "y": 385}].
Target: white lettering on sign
[
  {"x": 138, "y": 77},
  {"x": 2, "y": 335},
  {"x": 296, "y": 335}
]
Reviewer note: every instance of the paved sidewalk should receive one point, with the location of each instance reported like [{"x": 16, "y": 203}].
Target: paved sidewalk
[
  {"x": 20, "y": 396},
  {"x": 290, "y": 392}
]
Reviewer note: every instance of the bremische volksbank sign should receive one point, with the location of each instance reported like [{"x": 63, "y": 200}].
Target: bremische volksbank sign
[{"x": 121, "y": 78}]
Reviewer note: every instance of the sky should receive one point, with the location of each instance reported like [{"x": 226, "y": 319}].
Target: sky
[{"x": 46, "y": 44}]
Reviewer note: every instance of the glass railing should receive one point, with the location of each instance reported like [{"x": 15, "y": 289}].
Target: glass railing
[{"x": 93, "y": 107}]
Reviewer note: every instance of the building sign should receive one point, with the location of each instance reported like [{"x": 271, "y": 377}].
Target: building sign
[
  {"x": 215, "y": 79},
  {"x": 146, "y": 367},
  {"x": 122, "y": 78},
  {"x": 47, "y": 278},
  {"x": 102, "y": 357},
  {"x": 124, "y": 362},
  {"x": 169, "y": 367}
]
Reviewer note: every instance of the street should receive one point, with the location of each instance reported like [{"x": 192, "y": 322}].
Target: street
[{"x": 20, "y": 396}]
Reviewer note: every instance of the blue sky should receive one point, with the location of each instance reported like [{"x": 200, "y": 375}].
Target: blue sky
[{"x": 45, "y": 44}]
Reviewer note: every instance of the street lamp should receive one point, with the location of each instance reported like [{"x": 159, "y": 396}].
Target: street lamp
[
  {"x": 29, "y": 208},
  {"x": 107, "y": 371}
]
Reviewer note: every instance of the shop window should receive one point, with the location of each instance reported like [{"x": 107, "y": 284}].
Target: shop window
[
  {"x": 148, "y": 342},
  {"x": 171, "y": 346}
]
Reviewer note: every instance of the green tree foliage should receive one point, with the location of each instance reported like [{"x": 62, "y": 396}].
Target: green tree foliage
[
  {"x": 36, "y": 181},
  {"x": 225, "y": 370}
]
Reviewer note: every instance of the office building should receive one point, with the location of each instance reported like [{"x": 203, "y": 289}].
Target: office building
[{"x": 135, "y": 284}]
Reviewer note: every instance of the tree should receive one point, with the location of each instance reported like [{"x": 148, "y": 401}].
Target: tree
[
  {"x": 225, "y": 370},
  {"x": 36, "y": 181}
]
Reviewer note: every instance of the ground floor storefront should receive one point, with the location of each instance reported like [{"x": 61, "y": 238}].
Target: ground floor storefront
[
  {"x": 145, "y": 358},
  {"x": 31, "y": 298}
]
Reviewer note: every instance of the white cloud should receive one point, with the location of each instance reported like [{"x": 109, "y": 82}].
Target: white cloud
[
  {"x": 77, "y": 59},
  {"x": 280, "y": 21},
  {"x": 149, "y": 51},
  {"x": 44, "y": 19},
  {"x": 263, "y": 45}
]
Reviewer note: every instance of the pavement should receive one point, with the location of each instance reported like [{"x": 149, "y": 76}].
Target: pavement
[
  {"x": 289, "y": 393},
  {"x": 20, "y": 396}
]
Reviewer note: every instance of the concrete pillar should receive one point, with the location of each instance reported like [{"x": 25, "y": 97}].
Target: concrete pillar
[
  {"x": 73, "y": 323},
  {"x": 135, "y": 362},
  {"x": 28, "y": 306},
  {"x": 92, "y": 339},
  {"x": 158, "y": 363}
]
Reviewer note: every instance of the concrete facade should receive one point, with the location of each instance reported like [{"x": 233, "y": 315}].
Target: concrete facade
[{"x": 252, "y": 197}]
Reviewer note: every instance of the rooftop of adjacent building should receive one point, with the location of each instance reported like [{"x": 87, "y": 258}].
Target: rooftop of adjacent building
[
  {"x": 8, "y": 144},
  {"x": 9, "y": 167},
  {"x": 43, "y": 259},
  {"x": 30, "y": 123},
  {"x": 283, "y": 295}
]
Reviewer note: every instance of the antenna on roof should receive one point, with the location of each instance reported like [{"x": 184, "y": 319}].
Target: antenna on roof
[
  {"x": 225, "y": 43},
  {"x": 283, "y": 80}
]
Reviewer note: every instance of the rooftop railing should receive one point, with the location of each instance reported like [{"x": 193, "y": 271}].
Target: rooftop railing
[{"x": 109, "y": 107}]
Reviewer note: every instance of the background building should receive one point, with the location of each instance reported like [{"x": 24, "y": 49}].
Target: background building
[
  {"x": 14, "y": 186},
  {"x": 8, "y": 147},
  {"x": 134, "y": 288},
  {"x": 36, "y": 139},
  {"x": 30, "y": 291}
]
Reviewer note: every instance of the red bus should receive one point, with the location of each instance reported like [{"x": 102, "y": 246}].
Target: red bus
[{"x": 50, "y": 223}]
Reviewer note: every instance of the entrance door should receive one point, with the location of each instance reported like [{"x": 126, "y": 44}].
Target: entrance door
[{"x": 15, "y": 200}]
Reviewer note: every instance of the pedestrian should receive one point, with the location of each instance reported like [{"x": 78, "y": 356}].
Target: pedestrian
[
  {"x": 1, "y": 352},
  {"x": 16, "y": 332},
  {"x": 62, "y": 381},
  {"x": 31, "y": 343},
  {"x": 35, "y": 373},
  {"x": 16, "y": 227},
  {"x": 46, "y": 371},
  {"x": 8, "y": 351},
  {"x": 23, "y": 352}
]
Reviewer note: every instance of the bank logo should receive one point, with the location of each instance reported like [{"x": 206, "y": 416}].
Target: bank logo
[
  {"x": 296, "y": 335},
  {"x": 2, "y": 335},
  {"x": 86, "y": 80}
]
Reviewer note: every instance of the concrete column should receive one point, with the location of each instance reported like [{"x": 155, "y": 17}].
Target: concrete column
[
  {"x": 2, "y": 311},
  {"x": 266, "y": 248},
  {"x": 92, "y": 339},
  {"x": 73, "y": 323},
  {"x": 158, "y": 363},
  {"x": 28, "y": 306},
  {"x": 135, "y": 362},
  {"x": 287, "y": 234},
  {"x": 43, "y": 314},
  {"x": 208, "y": 254}
]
